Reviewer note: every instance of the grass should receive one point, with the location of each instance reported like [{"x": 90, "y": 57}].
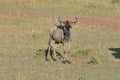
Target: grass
[
  {"x": 115, "y": 1},
  {"x": 78, "y": 7},
  {"x": 22, "y": 37},
  {"x": 23, "y": 41},
  {"x": 93, "y": 60}
]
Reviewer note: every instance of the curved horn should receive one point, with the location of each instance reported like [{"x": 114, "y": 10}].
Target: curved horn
[{"x": 76, "y": 20}]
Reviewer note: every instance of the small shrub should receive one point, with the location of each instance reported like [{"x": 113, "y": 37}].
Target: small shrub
[{"x": 93, "y": 60}]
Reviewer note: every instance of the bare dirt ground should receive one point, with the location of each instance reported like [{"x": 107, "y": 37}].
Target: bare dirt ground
[{"x": 88, "y": 20}]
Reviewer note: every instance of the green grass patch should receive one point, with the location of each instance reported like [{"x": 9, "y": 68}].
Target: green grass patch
[
  {"x": 93, "y": 60},
  {"x": 23, "y": 42}
]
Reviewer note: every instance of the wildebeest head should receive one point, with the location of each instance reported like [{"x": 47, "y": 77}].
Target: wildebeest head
[
  {"x": 66, "y": 27},
  {"x": 67, "y": 23}
]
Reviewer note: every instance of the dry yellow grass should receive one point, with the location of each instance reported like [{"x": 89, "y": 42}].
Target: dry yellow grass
[
  {"x": 21, "y": 38},
  {"x": 78, "y": 7}
]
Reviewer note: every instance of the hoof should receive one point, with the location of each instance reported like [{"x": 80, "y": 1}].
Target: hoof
[
  {"x": 54, "y": 60},
  {"x": 47, "y": 59},
  {"x": 66, "y": 61},
  {"x": 69, "y": 62}
]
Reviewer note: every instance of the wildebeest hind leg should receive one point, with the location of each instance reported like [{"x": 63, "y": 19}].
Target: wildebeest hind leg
[
  {"x": 48, "y": 50},
  {"x": 54, "y": 52},
  {"x": 47, "y": 54}
]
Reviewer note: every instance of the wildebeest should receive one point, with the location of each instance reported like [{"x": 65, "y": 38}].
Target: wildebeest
[{"x": 60, "y": 34}]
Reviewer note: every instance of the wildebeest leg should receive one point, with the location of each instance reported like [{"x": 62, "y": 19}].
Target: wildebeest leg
[
  {"x": 48, "y": 50},
  {"x": 69, "y": 47},
  {"x": 54, "y": 52},
  {"x": 66, "y": 51},
  {"x": 46, "y": 54},
  {"x": 69, "y": 54}
]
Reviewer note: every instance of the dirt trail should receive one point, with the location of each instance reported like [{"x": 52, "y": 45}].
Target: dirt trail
[{"x": 97, "y": 21}]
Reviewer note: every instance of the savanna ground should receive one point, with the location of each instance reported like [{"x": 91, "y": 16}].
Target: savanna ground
[{"x": 95, "y": 49}]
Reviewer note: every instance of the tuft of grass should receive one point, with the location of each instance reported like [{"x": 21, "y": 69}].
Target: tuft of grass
[
  {"x": 82, "y": 53},
  {"x": 40, "y": 52},
  {"x": 93, "y": 60}
]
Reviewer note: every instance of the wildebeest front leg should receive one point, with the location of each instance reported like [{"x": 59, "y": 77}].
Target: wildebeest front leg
[
  {"x": 69, "y": 53},
  {"x": 66, "y": 51}
]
